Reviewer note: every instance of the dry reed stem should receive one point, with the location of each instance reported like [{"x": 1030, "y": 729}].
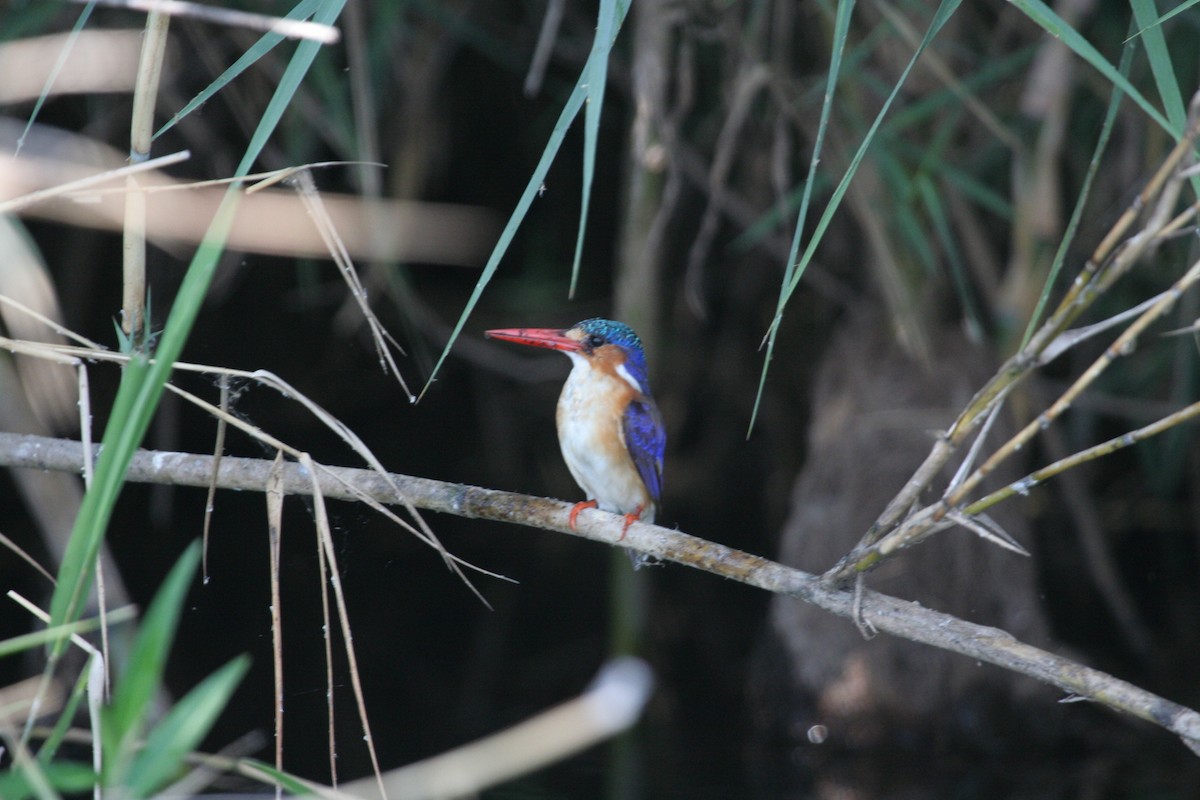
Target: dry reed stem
[
  {"x": 1116, "y": 255},
  {"x": 325, "y": 542},
  {"x": 1036, "y": 477},
  {"x": 418, "y": 527},
  {"x": 218, "y": 452},
  {"x": 274, "y": 496},
  {"x": 141, "y": 134},
  {"x": 322, "y": 521},
  {"x": 336, "y": 246},
  {"x": 927, "y": 521}
]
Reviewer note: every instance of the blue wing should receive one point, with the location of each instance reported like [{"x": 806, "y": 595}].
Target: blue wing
[{"x": 646, "y": 440}]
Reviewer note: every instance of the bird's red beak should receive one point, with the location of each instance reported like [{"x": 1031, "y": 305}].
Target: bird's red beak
[{"x": 550, "y": 338}]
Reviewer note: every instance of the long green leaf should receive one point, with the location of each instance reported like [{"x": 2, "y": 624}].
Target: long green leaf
[
  {"x": 182, "y": 729},
  {"x": 66, "y": 716},
  {"x": 597, "y": 75},
  {"x": 1179, "y": 9},
  {"x": 532, "y": 190},
  {"x": 1060, "y": 256},
  {"x": 1056, "y": 26},
  {"x": 125, "y": 718},
  {"x": 841, "y": 32},
  {"x": 795, "y": 271},
  {"x": 79, "y": 558},
  {"x": 70, "y": 777},
  {"x": 142, "y": 381},
  {"x": 264, "y": 45},
  {"x": 1145, "y": 14},
  {"x": 28, "y": 641},
  {"x": 84, "y": 14},
  {"x": 1165, "y": 78}
]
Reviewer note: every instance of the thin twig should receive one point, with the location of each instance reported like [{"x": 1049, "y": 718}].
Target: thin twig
[
  {"x": 1037, "y": 477},
  {"x": 322, "y": 520},
  {"x": 927, "y": 521},
  {"x": 306, "y": 187},
  {"x": 1122, "y": 345},
  {"x": 335, "y": 580},
  {"x": 218, "y": 452},
  {"x": 92, "y": 181},
  {"x": 1108, "y": 262},
  {"x": 274, "y": 537}
]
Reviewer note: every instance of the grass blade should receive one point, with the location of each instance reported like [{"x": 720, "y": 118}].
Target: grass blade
[
  {"x": 1145, "y": 14},
  {"x": 84, "y": 15},
  {"x": 1056, "y": 26},
  {"x": 597, "y": 74},
  {"x": 532, "y": 190},
  {"x": 69, "y": 777},
  {"x": 1179, "y": 9},
  {"x": 183, "y": 728},
  {"x": 795, "y": 270},
  {"x": 124, "y": 718},
  {"x": 264, "y": 45},
  {"x": 1060, "y": 256},
  {"x": 143, "y": 380},
  {"x": 841, "y": 32}
]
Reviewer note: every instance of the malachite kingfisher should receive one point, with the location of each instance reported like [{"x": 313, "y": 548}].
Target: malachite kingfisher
[{"x": 609, "y": 429}]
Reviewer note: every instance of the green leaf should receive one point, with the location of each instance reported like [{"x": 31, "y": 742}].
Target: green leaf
[
  {"x": 532, "y": 190},
  {"x": 125, "y": 718},
  {"x": 1179, "y": 9},
  {"x": 596, "y": 74},
  {"x": 182, "y": 729},
  {"x": 142, "y": 381},
  {"x": 795, "y": 270},
  {"x": 258, "y": 50},
  {"x": 285, "y": 780},
  {"x": 841, "y": 32},
  {"x": 66, "y": 717},
  {"x": 1145, "y": 14},
  {"x": 1056, "y": 26},
  {"x": 68, "y": 777},
  {"x": 1110, "y": 118},
  {"x": 1165, "y": 78},
  {"x": 118, "y": 444},
  {"x": 84, "y": 14},
  {"x": 28, "y": 641}
]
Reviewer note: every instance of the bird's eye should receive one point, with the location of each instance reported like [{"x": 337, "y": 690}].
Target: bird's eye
[{"x": 595, "y": 340}]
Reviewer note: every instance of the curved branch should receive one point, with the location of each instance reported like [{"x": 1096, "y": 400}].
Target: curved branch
[{"x": 888, "y": 614}]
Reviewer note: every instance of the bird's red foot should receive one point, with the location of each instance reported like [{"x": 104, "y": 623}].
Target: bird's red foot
[
  {"x": 580, "y": 507},
  {"x": 629, "y": 520}
]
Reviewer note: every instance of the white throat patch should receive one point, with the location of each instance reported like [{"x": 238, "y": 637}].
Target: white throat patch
[{"x": 624, "y": 373}]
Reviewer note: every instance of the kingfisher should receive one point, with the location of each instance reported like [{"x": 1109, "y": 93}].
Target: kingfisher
[{"x": 609, "y": 429}]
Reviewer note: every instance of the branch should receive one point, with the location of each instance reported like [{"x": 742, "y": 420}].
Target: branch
[
  {"x": 1114, "y": 257},
  {"x": 888, "y": 614}
]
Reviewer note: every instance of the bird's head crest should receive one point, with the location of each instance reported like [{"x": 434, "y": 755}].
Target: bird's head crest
[{"x": 598, "y": 332}]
